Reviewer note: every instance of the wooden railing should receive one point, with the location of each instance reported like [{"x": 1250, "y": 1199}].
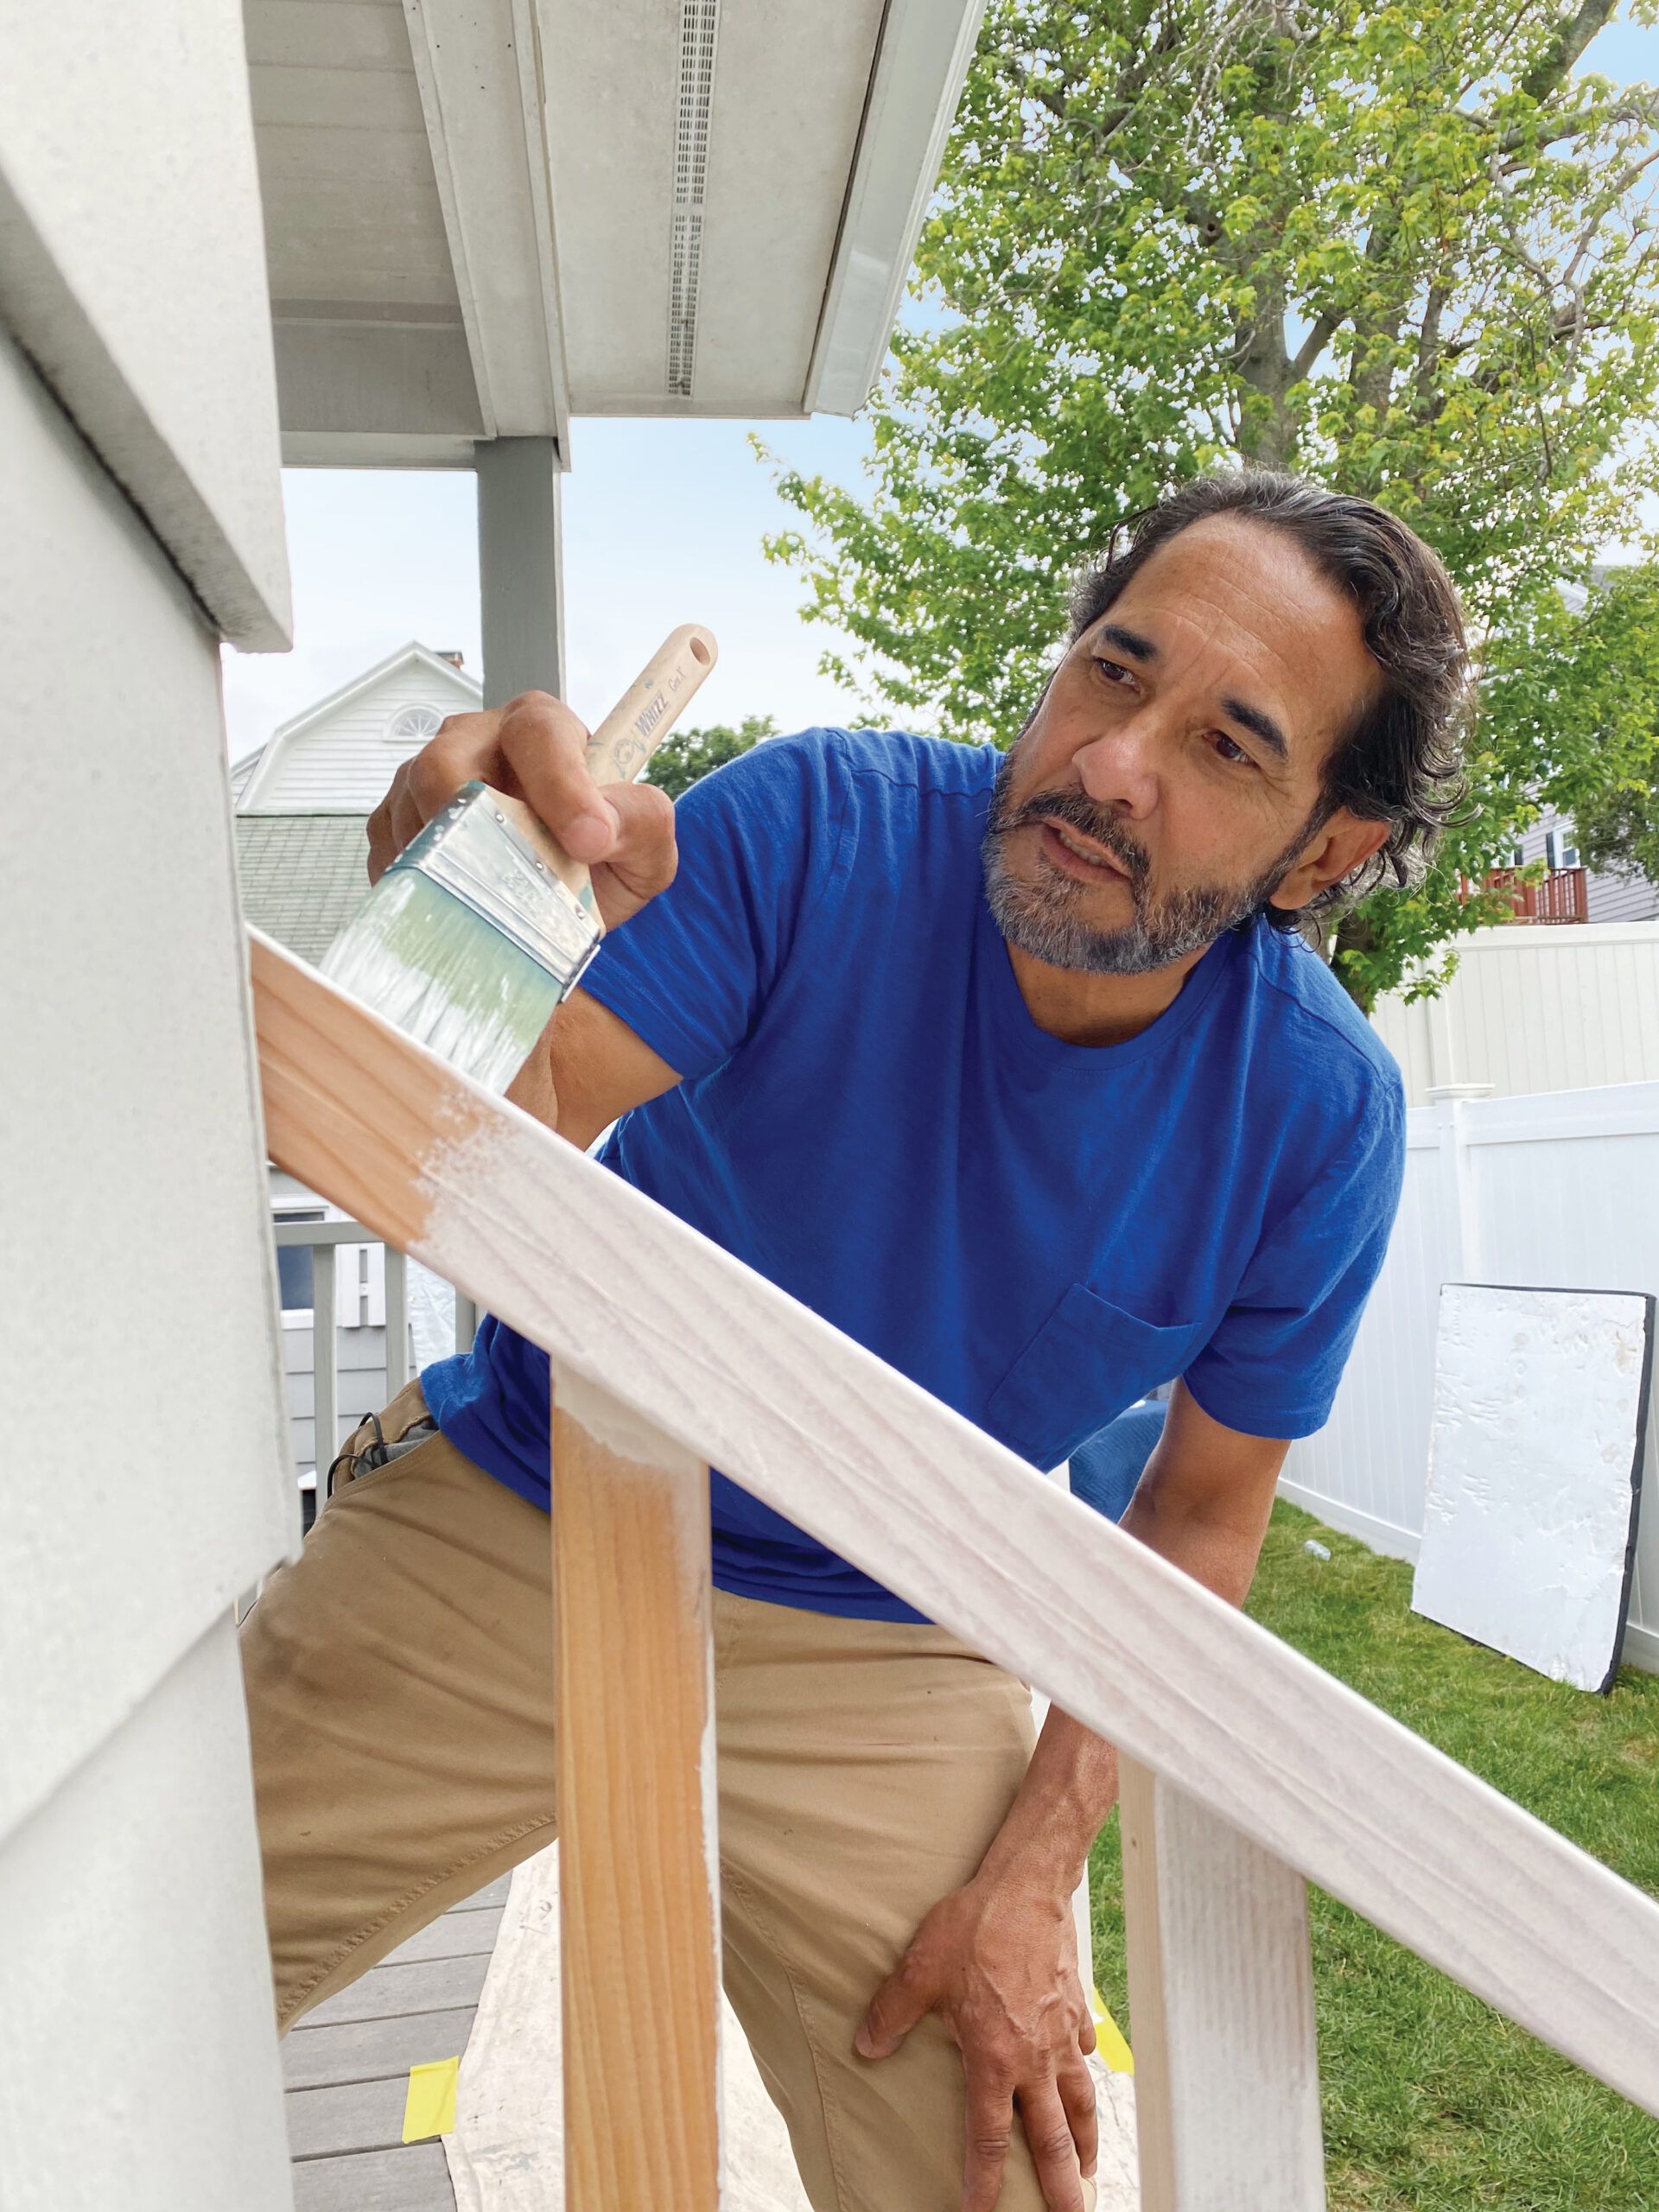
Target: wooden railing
[
  {"x": 1563, "y": 895},
  {"x": 1247, "y": 1771}
]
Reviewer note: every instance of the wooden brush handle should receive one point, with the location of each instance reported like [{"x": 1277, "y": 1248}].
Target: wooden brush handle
[
  {"x": 635, "y": 727},
  {"x": 626, "y": 739}
]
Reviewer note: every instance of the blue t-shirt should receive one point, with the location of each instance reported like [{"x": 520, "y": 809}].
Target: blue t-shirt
[{"x": 1037, "y": 1232}]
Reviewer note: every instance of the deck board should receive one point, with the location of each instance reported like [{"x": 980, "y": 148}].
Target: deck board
[
  {"x": 456, "y": 1936},
  {"x": 346, "y": 2068},
  {"x": 372, "y": 2050},
  {"x": 430, "y": 1985},
  {"x": 354, "y": 2117},
  {"x": 414, "y": 2179}
]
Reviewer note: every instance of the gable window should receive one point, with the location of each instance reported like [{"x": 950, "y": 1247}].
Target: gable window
[{"x": 414, "y": 725}]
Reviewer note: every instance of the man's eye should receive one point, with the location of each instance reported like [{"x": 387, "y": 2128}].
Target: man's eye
[
  {"x": 1231, "y": 751},
  {"x": 1114, "y": 671}
]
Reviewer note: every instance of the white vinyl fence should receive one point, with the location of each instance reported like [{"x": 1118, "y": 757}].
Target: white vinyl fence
[
  {"x": 1534, "y": 1007},
  {"x": 1559, "y": 1190}
]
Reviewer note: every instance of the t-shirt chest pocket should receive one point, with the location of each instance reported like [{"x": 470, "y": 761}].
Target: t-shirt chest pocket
[{"x": 1088, "y": 1361}]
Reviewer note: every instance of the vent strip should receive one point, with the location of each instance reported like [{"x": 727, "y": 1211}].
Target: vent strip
[{"x": 699, "y": 24}]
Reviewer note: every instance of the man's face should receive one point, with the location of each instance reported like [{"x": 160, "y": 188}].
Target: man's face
[{"x": 1170, "y": 779}]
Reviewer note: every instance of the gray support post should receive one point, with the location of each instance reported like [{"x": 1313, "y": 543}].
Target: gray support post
[{"x": 520, "y": 566}]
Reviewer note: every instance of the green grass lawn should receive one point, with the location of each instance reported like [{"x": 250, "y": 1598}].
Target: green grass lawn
[{"x": 1433, "y": 2102}]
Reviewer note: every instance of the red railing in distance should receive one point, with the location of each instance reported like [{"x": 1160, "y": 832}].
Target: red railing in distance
[{"x": 1562, "y": 896}]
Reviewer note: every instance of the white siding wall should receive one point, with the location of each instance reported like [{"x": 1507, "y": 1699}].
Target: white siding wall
[
  {"x": 141, "y": 1425},
  {"x": 343, "y": 763},
  {"x": 1543, "y": 1007},
  {"x": 1560, "y": 1191}
]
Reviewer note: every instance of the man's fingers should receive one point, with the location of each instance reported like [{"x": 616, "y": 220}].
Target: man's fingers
[
  {"x": 1053, "y": 2148},
  {"x": 545, "y": 746},
  {"x": 535, "y": 750},
  {"x": 1077, "y": 2088},
  {"x": 990, "y": 2128},
  {"x": 645, "y": 856},
  {"x": 895, "y": 2009}
]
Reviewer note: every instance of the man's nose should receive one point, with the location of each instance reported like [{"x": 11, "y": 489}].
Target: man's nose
[{"x": 1118, "y": 768}]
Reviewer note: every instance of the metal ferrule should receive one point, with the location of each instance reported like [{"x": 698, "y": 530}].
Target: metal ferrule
[{"x": 477, "y": 857}]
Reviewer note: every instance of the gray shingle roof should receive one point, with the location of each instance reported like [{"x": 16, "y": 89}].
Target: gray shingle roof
[{"x": 302, "y": 875}]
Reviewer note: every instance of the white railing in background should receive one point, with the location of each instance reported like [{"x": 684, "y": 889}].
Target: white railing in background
[
  {"x": 1559, "y": 1191},
  {"x": 386, "y": 1370},
  {"x": 1260, "y": 1773}
]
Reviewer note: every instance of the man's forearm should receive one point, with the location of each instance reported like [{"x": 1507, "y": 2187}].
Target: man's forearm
[{"x": 1070, "y": 1785}]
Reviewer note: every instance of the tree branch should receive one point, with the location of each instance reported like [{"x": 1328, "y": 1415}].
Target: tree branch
[
  {"x": 1313, "y": 345},
  {"x": 1554, "y": 64}
]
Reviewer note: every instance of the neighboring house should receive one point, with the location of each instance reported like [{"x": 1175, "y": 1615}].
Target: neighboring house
[
  {"x": 1553, "y": 840},
  {"x": 302, "y": 802},
  {"x": 302, "y": 799}
]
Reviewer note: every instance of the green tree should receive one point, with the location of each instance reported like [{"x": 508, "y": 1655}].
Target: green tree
[
  {"x": 1584, "y": 700},
  {"x": 686, "y": 755},
  {"x": 1403, "y": 249}
]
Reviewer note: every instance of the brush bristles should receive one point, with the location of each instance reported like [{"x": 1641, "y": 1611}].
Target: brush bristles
[{"x": 443, "y": 975}]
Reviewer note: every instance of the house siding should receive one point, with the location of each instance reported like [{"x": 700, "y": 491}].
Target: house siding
[{"x": 345, "y": 761}]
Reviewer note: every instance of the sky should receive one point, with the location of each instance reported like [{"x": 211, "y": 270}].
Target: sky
[{"x": 663, "y": 525}]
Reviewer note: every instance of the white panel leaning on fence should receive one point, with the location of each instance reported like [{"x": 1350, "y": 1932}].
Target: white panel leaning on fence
[
  {"x": 1248, "y": 1771},
  {"x": 1558, "y": 1192}
]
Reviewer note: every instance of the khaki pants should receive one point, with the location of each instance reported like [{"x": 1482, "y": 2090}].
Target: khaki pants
[{"x": 400, "y": 1691}]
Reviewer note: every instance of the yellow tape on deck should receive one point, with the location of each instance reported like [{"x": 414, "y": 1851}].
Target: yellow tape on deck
[
  {"x": 1114, "y": 2053},
  {"x": 429, "y": 2108}
]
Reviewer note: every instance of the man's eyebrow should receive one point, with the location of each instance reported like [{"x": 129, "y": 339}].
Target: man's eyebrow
[
  {"x": 1127, "y": 641},
  {"x": 1265, "y": 727},
  {"x": 1261, "y": 724}
]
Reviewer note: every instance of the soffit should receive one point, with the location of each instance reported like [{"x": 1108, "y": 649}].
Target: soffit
[{"x": 484, "y": 216}]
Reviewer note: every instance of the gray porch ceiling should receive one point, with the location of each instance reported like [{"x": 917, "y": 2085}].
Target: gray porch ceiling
[{"x": 485, "y": 216}]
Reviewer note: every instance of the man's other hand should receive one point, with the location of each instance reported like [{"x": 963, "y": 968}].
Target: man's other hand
[
  {"x": 534, "y": 749},
  {"x": 998, "y": 1962}
]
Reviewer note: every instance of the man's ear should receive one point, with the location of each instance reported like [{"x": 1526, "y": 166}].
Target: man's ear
[{"x": 1333, "y": 852}]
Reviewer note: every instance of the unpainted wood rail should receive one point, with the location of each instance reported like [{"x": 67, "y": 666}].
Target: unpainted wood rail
[{"x": 1247, "y": 1770}]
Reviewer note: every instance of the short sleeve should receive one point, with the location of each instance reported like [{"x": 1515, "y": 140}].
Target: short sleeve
[
  {"x": 1273, "y": 1366},
  {"x": 691, "y": 972}
]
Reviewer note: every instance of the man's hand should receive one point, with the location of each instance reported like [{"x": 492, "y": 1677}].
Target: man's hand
[
  {"x": 533, "y": 749},
  {"x": 997, "y": 1961}
]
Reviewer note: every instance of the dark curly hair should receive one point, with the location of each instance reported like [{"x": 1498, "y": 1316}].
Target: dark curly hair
[{"x": 1402, "y": 762}]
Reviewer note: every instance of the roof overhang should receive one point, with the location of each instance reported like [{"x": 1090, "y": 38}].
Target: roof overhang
[{"x": 485, "y": 216}]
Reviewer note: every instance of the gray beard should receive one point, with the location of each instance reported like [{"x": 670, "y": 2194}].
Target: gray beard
[{"x": 1041, "y": 916}]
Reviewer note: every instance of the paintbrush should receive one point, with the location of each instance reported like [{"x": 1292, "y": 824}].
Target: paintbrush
[{"x": 484, "y": 923}]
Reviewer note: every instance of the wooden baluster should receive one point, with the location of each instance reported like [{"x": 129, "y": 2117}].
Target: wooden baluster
[
  {"x": 638, "y": 1865},
  {"x": 1221, "y": 2004}
]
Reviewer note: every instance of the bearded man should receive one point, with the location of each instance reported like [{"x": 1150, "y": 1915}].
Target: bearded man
[{"x": 1022, "y": 1071}]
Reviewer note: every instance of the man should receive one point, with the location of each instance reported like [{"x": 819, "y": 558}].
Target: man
[{"x": 1020, "y": 1072}]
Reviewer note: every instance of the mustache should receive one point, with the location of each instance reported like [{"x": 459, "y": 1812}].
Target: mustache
[{"x": 1080, "y": 813}]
